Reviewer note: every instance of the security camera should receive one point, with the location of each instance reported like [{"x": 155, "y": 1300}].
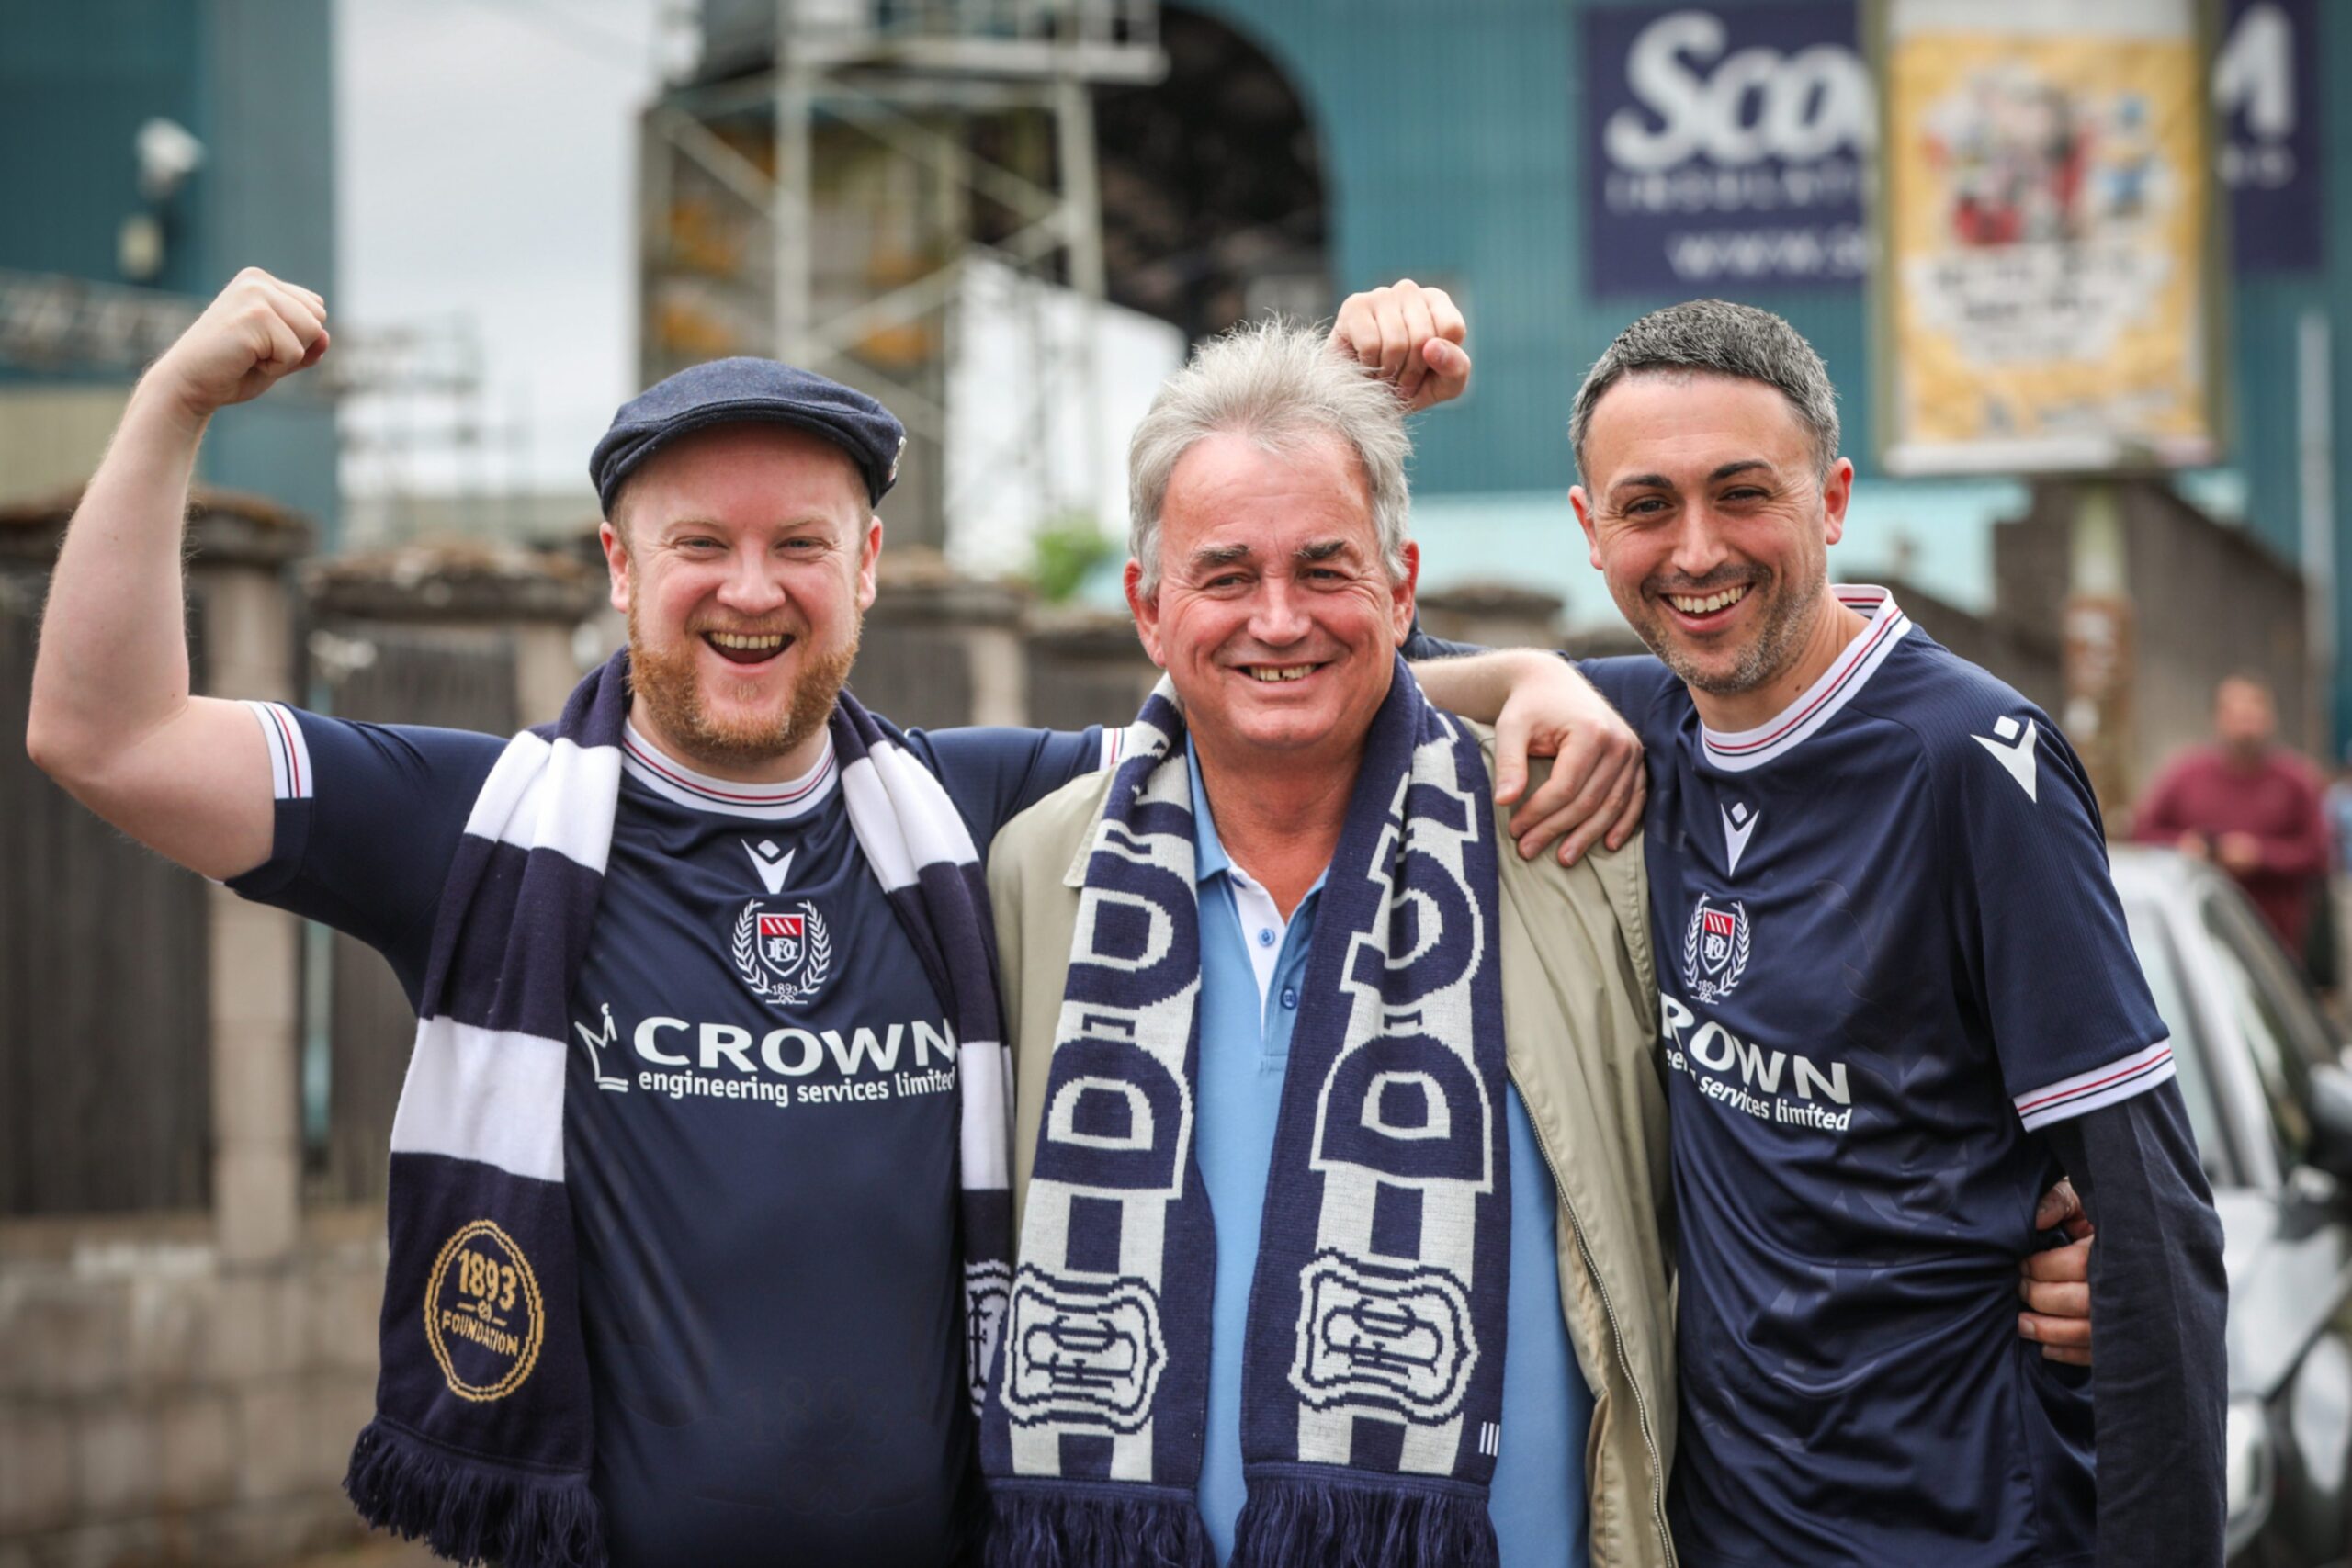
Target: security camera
[{"x": 167, "y": 154}]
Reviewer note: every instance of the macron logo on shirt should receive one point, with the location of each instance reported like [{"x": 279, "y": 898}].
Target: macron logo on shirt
[
  {"x": 1739, "y": 826},
  {"x": 772, "y": 864},
  {"x": 2013, "y": 751}
]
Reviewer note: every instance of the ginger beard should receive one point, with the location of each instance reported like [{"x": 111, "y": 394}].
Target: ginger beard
[{"x": 667, "y": 680}]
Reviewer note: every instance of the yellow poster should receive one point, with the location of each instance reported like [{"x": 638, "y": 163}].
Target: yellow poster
[{"x": 2047, "y": 195}]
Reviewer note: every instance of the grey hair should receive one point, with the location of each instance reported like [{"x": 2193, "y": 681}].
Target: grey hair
[
  {"x": 1276, "y": 383},
  {"x": 1717, "y": 338}
]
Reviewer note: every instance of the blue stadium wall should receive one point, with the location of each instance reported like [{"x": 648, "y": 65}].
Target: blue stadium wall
[
  {"x": 254, "y": 80},
  {"x": 1454, "y": 138}
]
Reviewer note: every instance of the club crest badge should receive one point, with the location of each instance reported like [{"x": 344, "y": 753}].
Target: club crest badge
[
  {"x": 483, "y": 1317},
  {"x": 1714, "y": 950},
  {"x": 1083, "y": 1351},
  {"x": 1374, "y": 1334},
  {"x": 783, "y": 955}
]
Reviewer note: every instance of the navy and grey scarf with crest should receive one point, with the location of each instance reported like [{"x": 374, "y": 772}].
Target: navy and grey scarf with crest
[
  {"x": 1372, "y": 1382},
  {"x": 482, "y": 1440}
]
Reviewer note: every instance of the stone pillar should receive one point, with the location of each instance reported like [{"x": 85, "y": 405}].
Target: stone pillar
[
  {"x": 1086, "y": 667},
  {"x": 941, "y": 649},
  {"x": 245, "y": 624}
]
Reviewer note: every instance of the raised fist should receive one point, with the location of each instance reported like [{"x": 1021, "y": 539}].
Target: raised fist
[
  {"x": 1409, "y": 335},
  {"x": 259, "y": 331}
]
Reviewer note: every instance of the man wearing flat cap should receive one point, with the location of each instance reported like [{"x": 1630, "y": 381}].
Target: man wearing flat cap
[{"x": 698, "y": 1200}]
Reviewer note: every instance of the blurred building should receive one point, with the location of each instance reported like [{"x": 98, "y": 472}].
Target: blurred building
[
  {"x": 153, "y": 148},
  {"x": 1561, "y": 166}
]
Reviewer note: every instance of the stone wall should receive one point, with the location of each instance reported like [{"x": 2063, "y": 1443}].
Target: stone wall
[{"x": 164, "y": 1399}]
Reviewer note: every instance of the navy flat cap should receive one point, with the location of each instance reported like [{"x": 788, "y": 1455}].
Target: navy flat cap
[{"x": 749, "y": 392}]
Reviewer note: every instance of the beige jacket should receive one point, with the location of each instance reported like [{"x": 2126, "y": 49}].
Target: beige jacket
[{"x": 1579, "y": 1006}]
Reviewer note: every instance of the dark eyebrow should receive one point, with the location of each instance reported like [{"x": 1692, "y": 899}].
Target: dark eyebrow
[
  {"x": 1211, "y": 556},
  {"x": 1660, "y": 481},
  {"x": 1322, "y": 549}
]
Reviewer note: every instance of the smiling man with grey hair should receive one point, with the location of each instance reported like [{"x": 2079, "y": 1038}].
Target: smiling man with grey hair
[
  {"x": 1282, "y": 389},
  {"x": 1336, "y": 1141}
]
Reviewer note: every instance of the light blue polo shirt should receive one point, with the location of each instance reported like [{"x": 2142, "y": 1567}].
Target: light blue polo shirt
[{"x": 1252, "y": 965}]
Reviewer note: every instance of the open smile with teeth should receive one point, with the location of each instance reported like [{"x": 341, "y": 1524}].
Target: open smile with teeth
[
  {"x": 1707, "y": 603},
  {"x": 1275, "y": 673},
  {"x": 745, "y": 647}
]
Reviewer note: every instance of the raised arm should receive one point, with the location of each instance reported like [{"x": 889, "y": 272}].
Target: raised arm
[
  {"x": 112, "y": 719},
  {"x": 1408, "y": 334}
]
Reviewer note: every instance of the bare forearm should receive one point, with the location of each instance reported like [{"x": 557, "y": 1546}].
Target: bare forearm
[
  {"x": 113, "y": 663},
  {"x": 1476, "y": 686}
]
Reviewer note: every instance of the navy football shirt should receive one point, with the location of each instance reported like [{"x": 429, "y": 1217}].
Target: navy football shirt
[
  {"x": 759, "y": 1127},
  {"x": 1889, "y": 949}
]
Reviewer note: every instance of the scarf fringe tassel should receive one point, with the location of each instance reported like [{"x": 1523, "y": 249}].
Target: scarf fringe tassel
[
  {"x": 1057, "y": 1529},
  {"x": 1290, "y": 1520},
  {"x": 472, "y": 1512}
]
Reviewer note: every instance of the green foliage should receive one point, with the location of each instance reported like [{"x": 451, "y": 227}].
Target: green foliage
[{"x": 1065, "y": 551}]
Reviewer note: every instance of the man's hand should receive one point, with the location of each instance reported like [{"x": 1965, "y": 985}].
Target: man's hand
[
  {"x": 2240, "y": 853},
  {"x": 1409, "y": 335},
  {"x": 2057, "y": 1285},
  {"x": 1598, "y": 786},
  {"x": 257, "y": 332}
]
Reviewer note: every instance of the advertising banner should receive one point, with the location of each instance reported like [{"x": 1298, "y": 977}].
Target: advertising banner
[
  {"x": 2266, "y": 103},
  {"x": 1727, "y": 147},
  {"x": 2046, "y": 190}
]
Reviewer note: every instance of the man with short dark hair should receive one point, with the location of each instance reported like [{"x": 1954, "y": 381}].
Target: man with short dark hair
[{"x": 1898, "y": 996}]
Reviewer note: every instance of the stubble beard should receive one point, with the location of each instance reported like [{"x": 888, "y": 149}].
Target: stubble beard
[
  {"x": 1786, "y": 621},
  {"x": 667, "y": 681}
]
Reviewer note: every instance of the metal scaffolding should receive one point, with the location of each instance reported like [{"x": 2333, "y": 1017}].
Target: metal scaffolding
[{"x": 823, "y": 209}]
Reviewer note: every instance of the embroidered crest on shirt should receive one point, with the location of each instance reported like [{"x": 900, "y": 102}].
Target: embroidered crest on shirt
[
  {"x": 1739, "y": 826},
  {"x": 783, "y": 955},
  {"x": 1715, "y": 949},
  {"x": 2014, "y": 751}
]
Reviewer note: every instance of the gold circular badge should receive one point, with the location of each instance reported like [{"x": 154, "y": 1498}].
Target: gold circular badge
[{"x": 482, "y": 1314}]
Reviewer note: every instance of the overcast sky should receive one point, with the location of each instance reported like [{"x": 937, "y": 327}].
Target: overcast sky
[{"x": 486, "y": 167}]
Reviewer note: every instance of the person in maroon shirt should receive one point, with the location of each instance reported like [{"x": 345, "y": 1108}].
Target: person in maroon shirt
[{"x": 2249, "y": 805}]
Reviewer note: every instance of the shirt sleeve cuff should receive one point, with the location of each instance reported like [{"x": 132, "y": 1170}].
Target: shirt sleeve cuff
[{"x": 2104, "y": 1085}]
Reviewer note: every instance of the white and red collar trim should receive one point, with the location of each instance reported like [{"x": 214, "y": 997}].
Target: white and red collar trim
[
  {"x": 650, "y": 766},
  {"x": 1783, "y": 732}
]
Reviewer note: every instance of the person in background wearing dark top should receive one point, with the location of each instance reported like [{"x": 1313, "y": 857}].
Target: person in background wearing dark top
[
  {"x": 2248, "y": 805},
  {"x": 1896, "y": 994},
  {"x": 737, "y": 1334}
]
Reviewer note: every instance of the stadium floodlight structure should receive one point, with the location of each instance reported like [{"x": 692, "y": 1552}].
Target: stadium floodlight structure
[{"x": 822, "y": 209}]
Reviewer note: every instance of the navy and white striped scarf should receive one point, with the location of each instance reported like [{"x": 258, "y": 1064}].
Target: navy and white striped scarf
[
  {"x": 481, "y": 1443},
  {"x": 1372, "y": 1382}
]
